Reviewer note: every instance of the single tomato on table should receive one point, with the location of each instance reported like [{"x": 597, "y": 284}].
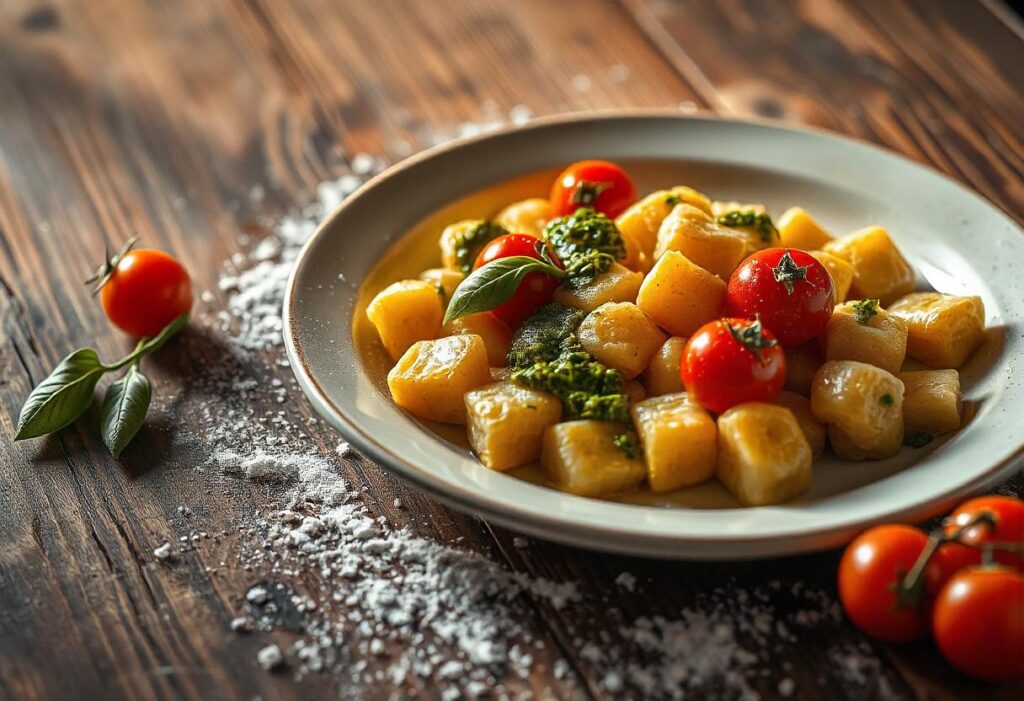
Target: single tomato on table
[
  {"x": 871, "y": 574},
  {"x": 535, "y": 290},
  {"x": 788, "y": 288},
  {"x": 978, "y": 622},
  {"x": 143, "y": 290},
  {"x": 732, "y": 361},
  {"x": 600, "y": 185}
]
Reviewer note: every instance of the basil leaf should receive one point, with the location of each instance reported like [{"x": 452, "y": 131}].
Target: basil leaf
[
  {"x": 62, "y": 397},
  {"x": 165, "y": 335},
  {"x": 124, "y": 409},
  {"x": 493, "y": 284}
]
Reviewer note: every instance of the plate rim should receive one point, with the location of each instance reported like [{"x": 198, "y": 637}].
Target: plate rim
[{"x": 556, "y": 527}]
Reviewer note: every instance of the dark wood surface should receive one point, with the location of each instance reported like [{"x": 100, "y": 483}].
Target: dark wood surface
[{"x": 157, "y": 119}]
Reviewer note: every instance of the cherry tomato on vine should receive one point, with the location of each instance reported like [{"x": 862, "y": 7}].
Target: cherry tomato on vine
[
  {"x": 978, "y": 622},
  {"x": 143, "y": 290},
  {"x": 732, "y": 361},
  {"x": 1008, "y": 514},
  {"x": 534, "y": 291},
  {"x": 790, "y": 290},
  {"x": 872, "y": 568},
  {"x": 600, "y": 185}
]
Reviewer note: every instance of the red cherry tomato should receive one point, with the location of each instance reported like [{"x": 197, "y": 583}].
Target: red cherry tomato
[
  {"x": 871, "y": 568},
  {"x": 535, "y": 290},
  {"x": 1008, "y": 514},
  {"x": 978, "y": 622},
  {"x": 146, "y": 290},
  {"x": 790, "y": 290},
  {"x": 732, "y": 361},
  {"x": 600, "y": 185}
]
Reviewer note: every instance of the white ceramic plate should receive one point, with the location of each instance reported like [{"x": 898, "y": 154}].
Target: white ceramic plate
[{"x": 957, "y": 242}]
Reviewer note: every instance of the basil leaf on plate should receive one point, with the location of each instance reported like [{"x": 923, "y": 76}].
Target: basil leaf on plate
[
  {"x": 62, "y": 397},
  {"x": 494, "y": 284},
  {"x": 124, "y": 409}
]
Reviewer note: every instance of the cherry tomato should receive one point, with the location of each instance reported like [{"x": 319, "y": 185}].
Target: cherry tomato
[
  {"x": 534, "y": 291},
  {"x": 790, "y": 290},
  {"x": 871, "y": 568},
  {"x": 600, "y": 185},
  {"x": 1009, "y": 528},
  {"x": 146, "y": 290},
  {"x": 978, "y": 622},
  {"x": 732, "y": 361}
]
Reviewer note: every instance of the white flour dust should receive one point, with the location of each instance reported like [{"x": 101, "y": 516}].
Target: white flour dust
[{"x": 391, "y": 608}]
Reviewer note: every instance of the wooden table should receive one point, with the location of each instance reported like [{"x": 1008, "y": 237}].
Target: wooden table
[{"x": 158, "y": 119}]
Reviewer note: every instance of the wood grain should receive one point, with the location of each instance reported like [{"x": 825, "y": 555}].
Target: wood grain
[{"x": 157, "y": 119}]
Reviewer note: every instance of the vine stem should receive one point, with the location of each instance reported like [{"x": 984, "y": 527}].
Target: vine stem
[{"x": 911, "y": 584}]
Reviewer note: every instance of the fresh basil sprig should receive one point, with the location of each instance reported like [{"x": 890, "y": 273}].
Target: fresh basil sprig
[
  {"x": 494, "y": 284},
  {"x": 68, "y": 391}
]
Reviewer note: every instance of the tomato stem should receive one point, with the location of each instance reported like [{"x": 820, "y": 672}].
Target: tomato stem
[
  {"x": 909, "y": 588},
  {"x": 103, "y": 273}
]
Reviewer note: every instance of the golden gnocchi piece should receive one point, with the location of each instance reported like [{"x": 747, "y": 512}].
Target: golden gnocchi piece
[
  {"x": 932, "y": 401},
  {"x": 444, "y": 279},
  {"x": 452, "y": 237},
  {"x": 846, "y": 448},
  {"x": 801, "y": 363},
  {"x": 431, "y": 379},
  {"x": 662, "y": 374},
  {"x": 944, "y": 329},
  {"x": 496, "y": 335},
  {"x": 879, "y": 269},
  {"x": 634, "y": 390},
  {"x": 643, "y": 219},
  {"x": 798, "y": 229},
  {"x": 506, "y": 423},
  {"x": 622, "y": 336},
  {"x": 581, "y": 457},
  {"x": 527, "y": 216},
  {"x": 863, "y": 331},
  {"x": 841, "y": 272},
  {"x": 679, "y": 439},
  {"x": 681, "y": 296},
  {"x": 405, "y": 312},
  {"x": 758, "y": 236},
  {"x": 617, "y": 284},
  {"x": 814, "y": 431},
  {"x": 763, "y": 456},
  {"x": 865, "y": 404},
  {"x": 694, "y": 233}
]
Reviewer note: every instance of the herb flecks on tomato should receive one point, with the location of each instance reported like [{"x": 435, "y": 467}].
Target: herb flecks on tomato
[
  {"x": 732, "y": 361},
  {"x": 601, "y": 185},
  {"x": 789, "y": 289}
]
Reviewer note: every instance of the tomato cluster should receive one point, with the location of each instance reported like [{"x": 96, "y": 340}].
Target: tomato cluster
[
  {"x": 776, "y": 297},
  {"x": 964, "y": 583}
]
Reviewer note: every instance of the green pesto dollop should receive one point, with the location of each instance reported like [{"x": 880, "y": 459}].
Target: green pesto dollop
[
  {"x": 545, "y": 335},
  {"x": 587, "y": 242}
]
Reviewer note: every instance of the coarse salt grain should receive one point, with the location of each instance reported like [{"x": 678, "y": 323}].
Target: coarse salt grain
[
  {"x": 163, "y": 552},
  {"x": 270, "y": 657}
]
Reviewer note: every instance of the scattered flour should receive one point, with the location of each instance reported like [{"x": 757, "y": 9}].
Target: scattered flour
[
  {"x": 392, "y": 608},
  {"x": 270, "y": 657}
]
